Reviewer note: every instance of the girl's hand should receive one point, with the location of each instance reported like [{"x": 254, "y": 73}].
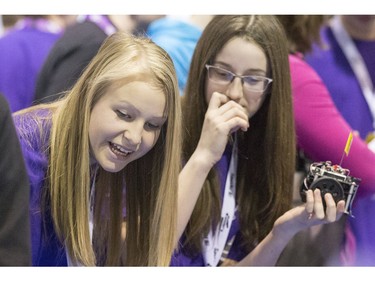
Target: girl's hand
[
  {"x": 309, "y": 214},
  {"x": 223, "y": 117},
  {"x": 315, "y": 209}
]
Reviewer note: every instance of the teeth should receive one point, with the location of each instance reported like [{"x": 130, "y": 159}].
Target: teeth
[{"x": 121, "y": 149}]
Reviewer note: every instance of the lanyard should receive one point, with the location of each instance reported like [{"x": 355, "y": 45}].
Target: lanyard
[
  {"x": 213, "y": 244},
  {"x": 91, "y": 218},
  {"x": 356, "y": 62},
  {"x": 91, "y": 203}
]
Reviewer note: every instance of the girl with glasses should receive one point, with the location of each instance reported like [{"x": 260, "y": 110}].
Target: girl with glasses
[{"x": 239, "y": 143}]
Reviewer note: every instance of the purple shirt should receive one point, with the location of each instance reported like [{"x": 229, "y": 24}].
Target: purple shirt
[
  {"x": 22, "y": 53},
  {"x": 236, "y": 252},
  {"x": 45, "y": 246},
  {"x": 338, "y": 76}
]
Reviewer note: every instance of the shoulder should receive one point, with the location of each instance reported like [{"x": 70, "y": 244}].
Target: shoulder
[
  {"x": 305, "y": 80},
  {"x": 168, "y": 30},
  {"x": 300, "y": 69},
  {"x": 33, "y": 128},
  {"x": 82, "y": 33},
  {"x": 78, "y": 41}
]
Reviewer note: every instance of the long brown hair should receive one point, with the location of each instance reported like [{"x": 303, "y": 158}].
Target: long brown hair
[{"x": 266, "y": 150}]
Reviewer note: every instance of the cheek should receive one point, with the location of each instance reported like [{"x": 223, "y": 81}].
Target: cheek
[
  {"x": 253, "y": 105},
  {"x": 210, "y": 89},
  {"x": 95, "y": 123},
  {"x": 149, "y": 141},
  {"x": 208, "y": 96},
  {"x": 92, "y": 132},
  {"x": 94, "y": 141},
  {"x": 104, "y": 128},
  {"x": 208, "y": 92}
]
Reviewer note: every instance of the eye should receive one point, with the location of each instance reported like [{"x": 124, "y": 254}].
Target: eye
[
  {"x": 222, "y": 74},
  {"x": 152, "y": 127},
  {"x": 252, "y": 80},
  {"x": 123, "y": 115}
]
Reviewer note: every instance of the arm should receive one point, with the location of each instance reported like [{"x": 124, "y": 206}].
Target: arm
[
  {"x": 322, "y": 131},
  {"x": 302, "y": 217},
  {"x": 223, "y": 117}
]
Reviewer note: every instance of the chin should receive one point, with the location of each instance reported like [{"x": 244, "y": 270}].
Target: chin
[
  {"x": 112, "y": 170},
  {"x": 113, "y": 167}
]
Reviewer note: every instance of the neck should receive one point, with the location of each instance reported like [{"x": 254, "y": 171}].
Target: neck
[{"x": 360, "y": 27}]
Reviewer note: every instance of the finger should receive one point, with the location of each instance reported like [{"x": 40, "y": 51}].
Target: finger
[
  {"x": 215, "y": 125},
  {"x": 309, "y": 201},
  {"x": 330, "y": 207},
  {"x": 231, "y": 106},
  {"x": 340, "y": 209},
  {"x": 227, "y": 112},
  {"x": 233, "y": 110},
  {"x": 318, "y": 204},
  {"x": 237, "y": 123},
  {"x": 217, "y": 100}
]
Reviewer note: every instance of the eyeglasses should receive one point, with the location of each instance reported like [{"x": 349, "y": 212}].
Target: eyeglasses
[{"x": 251, "y": 83}]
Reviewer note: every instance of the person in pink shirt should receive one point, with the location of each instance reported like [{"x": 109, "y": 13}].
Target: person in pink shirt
[
  {"x": 322, "y": 133},
  {"x": 346, "y": 64}
]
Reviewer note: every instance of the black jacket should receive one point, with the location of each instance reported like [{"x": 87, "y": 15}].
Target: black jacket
[
  {"x": 67, "y": 59},
  {"x": 15, "y": 244}
]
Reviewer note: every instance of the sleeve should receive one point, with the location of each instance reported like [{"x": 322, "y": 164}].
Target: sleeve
[
  {"x": 33, "y": 146},
  {"x": 321, "y": 130},
  {"x": 15, "y": 248}
]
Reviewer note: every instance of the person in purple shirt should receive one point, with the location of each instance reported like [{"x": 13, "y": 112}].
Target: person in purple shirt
[
  {"x": 104, "y": 161},
  {"x": 322, "y": 133},
  {"x": 346, "y": 64},
  {"x": 23, "y": 51},
  {"x": 239, "y": 144},
  {"x": 331, "y": 61}
]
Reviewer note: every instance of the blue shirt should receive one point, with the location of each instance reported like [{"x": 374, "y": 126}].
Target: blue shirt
[{"x": 178, "y": 39}]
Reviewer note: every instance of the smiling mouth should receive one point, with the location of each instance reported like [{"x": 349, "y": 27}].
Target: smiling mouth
[{"x": 119, "y": 150}]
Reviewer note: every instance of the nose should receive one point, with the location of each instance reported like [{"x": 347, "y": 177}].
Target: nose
[
  {"x": 133, "y": 135},
  {"x": 235, "y": 89}
]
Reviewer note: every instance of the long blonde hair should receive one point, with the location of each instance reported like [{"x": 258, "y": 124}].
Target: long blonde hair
[{"x": 149, "y": 183}]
